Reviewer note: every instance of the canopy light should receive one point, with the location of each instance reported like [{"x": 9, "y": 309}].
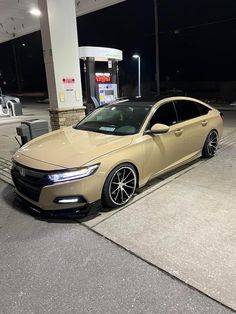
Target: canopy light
[{"x": 35, "y": 12}]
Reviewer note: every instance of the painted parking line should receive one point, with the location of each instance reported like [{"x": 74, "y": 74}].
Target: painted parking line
[{"x": 5, "y": 170}]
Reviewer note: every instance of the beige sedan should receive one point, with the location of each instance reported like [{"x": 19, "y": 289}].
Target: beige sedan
[{"x": 116, "y": 149}]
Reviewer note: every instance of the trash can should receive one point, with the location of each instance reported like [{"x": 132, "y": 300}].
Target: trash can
[
  {"x": 24, "y": 132},
  {"x": 36, "y": 127},
  {"x": 17, "y": 108},
  {"x": 30, "y": 129}
]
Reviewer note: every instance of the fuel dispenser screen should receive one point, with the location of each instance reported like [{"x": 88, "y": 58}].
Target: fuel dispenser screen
[{"x": 107, "y": 93}]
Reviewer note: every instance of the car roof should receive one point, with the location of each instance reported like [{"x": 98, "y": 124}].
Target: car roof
[
  {"x": 133, "y": 102},
  {"x": 151, "y": 101},
  {"x": 143, "y": 101}
]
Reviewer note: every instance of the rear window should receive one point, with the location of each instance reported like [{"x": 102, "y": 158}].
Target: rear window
[{"x": 203, "y": 109}]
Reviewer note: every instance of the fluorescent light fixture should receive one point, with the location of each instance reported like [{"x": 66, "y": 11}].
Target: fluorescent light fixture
[
  {"x": 136, "y": 56},
  {"x": 101, "y": 74},
  {"x": 35, "y": 12}
]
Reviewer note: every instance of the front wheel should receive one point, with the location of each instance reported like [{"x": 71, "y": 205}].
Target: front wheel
[
  {"x": 120, "y": 186},
  {"x": 211, "y": 145}
]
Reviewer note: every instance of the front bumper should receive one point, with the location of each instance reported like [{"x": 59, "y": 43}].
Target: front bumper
[
  {"x": 70, "y": 213},
  {"x": 32, "y": 186}
]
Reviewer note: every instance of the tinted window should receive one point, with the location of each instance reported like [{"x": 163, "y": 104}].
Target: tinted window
[
  {"x": 186, "y": 110},
  {"x": 165, "y": 114},
  {"x": 203, "y": 109}
]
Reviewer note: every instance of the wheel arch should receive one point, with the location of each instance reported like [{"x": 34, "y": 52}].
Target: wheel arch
[
  {"x": 122, "y": 163},
  {"x": 204, "y": 154},
  {"x": 214, "y": 130},
  {"x": 136, "y": 170},
  {"x": 105, "y": 198}
]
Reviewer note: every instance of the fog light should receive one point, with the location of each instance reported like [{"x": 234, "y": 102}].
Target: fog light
[{"x": 67, "y": 200}]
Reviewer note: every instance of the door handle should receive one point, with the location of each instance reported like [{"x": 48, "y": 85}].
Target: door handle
[
  {"x": 179, "y": 132},
  {"x": 204, "y": 123}
]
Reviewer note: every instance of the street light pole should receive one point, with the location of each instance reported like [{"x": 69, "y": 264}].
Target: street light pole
[
  {"x": 139, "y": 74},
  {"x": 157, "y": 48},
  {"x": 18, "y": 78}
]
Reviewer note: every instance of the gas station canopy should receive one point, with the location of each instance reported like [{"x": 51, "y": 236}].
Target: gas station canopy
[
  {"x": 16, "y": 19},
  {"x": 100, "y": 53}
]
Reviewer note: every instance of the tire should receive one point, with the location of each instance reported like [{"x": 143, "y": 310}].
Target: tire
[
  {"x": 211, "y": 145},
  {"x": 119, "y": 186}
]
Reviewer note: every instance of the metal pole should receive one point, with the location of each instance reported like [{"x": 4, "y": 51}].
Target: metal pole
[
  {"x": 157, "y": 48},
  {"x": 16, "y": 67},
  {"x": 85, "y": 81},
  {"x": 139, "y": 77},
  {"x": 117, "y": 80}
]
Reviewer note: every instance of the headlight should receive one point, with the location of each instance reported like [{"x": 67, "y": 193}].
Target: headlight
[{"x": 73, "y": 174}]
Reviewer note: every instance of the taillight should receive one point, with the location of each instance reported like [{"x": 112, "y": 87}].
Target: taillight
[{"x": 222, "y": 115}]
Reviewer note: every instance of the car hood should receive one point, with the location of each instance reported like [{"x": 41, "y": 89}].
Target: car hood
[{"x": 69, "y": 148}]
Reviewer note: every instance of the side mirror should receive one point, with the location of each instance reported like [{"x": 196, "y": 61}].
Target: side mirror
[{"x": 159, "y": 128}]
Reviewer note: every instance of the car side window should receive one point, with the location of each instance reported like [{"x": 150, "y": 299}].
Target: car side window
[
  {"x": 186, "y": 110},
  {"x": 203, "y": 109},
  {"x": 165, "y": 114}
]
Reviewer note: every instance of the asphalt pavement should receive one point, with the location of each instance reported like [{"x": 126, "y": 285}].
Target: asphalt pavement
[{"x": 64, "y": 267}]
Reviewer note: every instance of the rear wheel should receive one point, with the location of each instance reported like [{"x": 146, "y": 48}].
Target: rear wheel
[
  {"x": 120, "y": 186},
  {"x": 211, "y": 145}
]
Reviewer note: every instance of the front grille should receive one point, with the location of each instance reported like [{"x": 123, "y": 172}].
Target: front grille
[{"x": 28, "y": 182}]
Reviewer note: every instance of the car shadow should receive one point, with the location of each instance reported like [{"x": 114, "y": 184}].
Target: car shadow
[
  {"x": 167, "y": 175},
  {"x": 10, "y": 198}
]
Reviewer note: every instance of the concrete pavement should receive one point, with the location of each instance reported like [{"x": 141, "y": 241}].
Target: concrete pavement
[
  {"x": 187, "y": 226},
  {"x": 66, "y": 268}
]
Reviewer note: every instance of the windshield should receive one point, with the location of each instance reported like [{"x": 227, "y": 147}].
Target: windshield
[{"x": 117, "y": 119}]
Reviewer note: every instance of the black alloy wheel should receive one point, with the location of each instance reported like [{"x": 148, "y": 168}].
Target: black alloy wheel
[
  {"x": 211, "y": 145},
  {"x": 120, "y": 186}
]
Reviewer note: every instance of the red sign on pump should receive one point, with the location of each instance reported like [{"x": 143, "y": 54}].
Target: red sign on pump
[{"x": 103, "y": 77}]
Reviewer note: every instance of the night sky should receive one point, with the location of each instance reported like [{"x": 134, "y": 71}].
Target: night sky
[{"x": 197, "y": 42}]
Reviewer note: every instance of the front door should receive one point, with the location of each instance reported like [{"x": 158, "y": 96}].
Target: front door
[{"x": 163, "y": 151}]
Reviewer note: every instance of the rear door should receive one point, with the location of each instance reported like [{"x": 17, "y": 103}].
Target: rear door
[{"x": 192, "y": 119}]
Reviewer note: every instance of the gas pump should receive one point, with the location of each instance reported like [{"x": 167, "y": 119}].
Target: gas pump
[{"x": 101, "y": 75}]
